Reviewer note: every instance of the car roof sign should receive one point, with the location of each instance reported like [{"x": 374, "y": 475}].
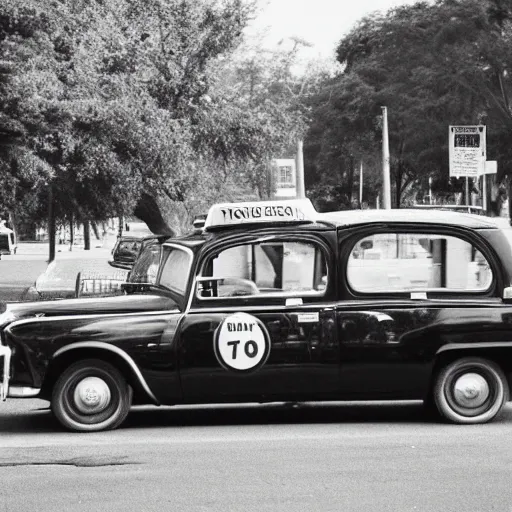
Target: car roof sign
[{"x": 283, "y": 211}]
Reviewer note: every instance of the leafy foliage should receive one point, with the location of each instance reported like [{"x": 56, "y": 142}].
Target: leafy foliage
[
  {"x": 432, "y": 65},
  {"x": 117, "y": 102}
]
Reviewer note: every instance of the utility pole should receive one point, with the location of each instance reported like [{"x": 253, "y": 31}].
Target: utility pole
[
  {"x": 484, "y": 193},
  {"x": 299, "y": 164},
  {"x": 361, "y": 186},
  {"x": 51, "y": 224},
  {"x": 386, "y": 180}
]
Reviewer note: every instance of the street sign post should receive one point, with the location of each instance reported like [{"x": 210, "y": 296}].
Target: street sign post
[{"x": 467, "y": 152}]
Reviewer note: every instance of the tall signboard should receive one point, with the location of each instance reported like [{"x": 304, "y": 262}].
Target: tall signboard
[
  {"x": 467, "y": 151},
  {"x": 285, "y": 177}
]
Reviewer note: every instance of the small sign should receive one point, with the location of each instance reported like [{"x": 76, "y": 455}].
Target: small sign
[
  {"x": 241, "y": 343},
  {"x": 491, "y": 167},
  {"x": 294, "y": 301},
  {"x": 467, "y": 150},
  {"x": 303, "y": 318}
]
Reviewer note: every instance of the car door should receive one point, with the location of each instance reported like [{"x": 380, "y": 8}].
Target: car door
[
  {"x": 262, "y": 321},
  {"x": 406, "y": 291}
]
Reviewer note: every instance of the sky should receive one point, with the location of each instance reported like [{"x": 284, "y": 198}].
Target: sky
[{"x": 320, "y": 22}]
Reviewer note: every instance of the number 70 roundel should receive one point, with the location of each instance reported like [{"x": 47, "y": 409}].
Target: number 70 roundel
[{"x": 241, "y": 343}]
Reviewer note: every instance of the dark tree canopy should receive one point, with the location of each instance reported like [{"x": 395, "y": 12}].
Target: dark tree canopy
[
  {"x": 432, "y": 65},
  {"x": 122, "y": 106}
]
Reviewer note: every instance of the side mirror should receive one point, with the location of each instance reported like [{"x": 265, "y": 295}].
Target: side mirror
[{"x": 366, "y": 244}]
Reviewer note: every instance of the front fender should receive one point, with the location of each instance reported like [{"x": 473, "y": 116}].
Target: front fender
[
  {"x": 36, "y": 341},
  {"x": 95, "y": 345}
]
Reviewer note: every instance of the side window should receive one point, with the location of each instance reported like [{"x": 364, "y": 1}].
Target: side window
[
  {"x": 388, "y": 262},
  {"x": 266, "y": 267}
]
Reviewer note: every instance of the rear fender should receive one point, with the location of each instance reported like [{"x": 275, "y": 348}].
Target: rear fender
[{"x": 499, "y": 351}]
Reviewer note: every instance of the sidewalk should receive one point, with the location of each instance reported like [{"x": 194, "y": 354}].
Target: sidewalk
[
  {"x": 42, "y": 248},
  {"x": 59, "y": 278}
]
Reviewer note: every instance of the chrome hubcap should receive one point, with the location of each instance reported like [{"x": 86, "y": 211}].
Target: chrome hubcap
[
  {"x": 92, "y": 395},
  {"x": 471, "y": 390}
]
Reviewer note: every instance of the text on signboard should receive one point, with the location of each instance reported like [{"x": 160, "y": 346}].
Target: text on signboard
[{"x": 258, "y": 212}]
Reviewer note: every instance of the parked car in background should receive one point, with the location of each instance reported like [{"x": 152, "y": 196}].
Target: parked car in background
[
  {"x": 8, "y": 243},
  {"x": 127, "y": 249}
]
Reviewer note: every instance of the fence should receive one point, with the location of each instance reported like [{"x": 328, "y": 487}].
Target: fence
[{"x": 97, "y": 285}]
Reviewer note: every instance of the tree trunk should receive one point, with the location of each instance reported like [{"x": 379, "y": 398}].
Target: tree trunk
[
  {"x": 71, "y": 233},
  {"x": 148, "y": 211},
  {"x": 398, "y": 186},
  {"x": 51, "y": 225},
  {"x": 121, "y": 225},
  {"x": 95, "y": 229},
  {"x": 87, "y": 236}
]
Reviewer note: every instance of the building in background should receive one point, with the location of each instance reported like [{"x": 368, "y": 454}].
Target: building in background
[{"x": 284, "y": 178}]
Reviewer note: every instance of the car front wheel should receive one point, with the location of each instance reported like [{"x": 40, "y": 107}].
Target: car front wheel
[
  {"x": 90, "y": 396},
  {"x": 470, "y": 390}
]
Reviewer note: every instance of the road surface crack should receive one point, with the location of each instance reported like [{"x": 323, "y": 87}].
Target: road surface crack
[{"x": 78, "y": 463}]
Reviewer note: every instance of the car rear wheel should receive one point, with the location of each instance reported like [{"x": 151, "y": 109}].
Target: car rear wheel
[
  {"x": 470, "y": 390},
  {"x": 91, "y": 395}
]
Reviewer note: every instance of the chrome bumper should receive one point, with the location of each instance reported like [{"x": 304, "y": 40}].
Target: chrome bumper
[{"x": 5, "y": 352}]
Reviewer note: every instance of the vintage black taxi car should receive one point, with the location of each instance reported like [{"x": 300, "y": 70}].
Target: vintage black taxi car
[{"x": 273, "y": 301}]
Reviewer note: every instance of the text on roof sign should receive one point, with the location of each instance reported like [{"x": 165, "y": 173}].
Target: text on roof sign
[
  {"x": 293, "y": 210},
  {"x": 262, "y": 212}
]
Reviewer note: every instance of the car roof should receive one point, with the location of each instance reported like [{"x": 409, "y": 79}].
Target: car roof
[
  {"x": 408, "y": 215},
  {"x": 345, "y": 218}
]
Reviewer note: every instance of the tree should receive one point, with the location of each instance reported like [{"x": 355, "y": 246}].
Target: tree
[
  {"x": 432, "y": 66},
  {"x": 121, "y": 102}
]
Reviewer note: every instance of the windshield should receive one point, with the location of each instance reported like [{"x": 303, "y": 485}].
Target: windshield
[
  {"x": 145, "y": 268},
  {"x": 176, "y": 269}
]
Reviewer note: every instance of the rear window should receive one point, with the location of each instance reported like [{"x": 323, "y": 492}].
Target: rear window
[
  {"x": 128, "y": 249},
  {"x": 394, "y": 262}
]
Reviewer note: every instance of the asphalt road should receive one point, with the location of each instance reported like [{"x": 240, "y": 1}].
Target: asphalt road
[
  {"x": 256, "y": 459},
  {"x": 368, "y": 458}
]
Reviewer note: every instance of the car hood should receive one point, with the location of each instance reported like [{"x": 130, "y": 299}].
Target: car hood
[{"x": 93, "y": 305}]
